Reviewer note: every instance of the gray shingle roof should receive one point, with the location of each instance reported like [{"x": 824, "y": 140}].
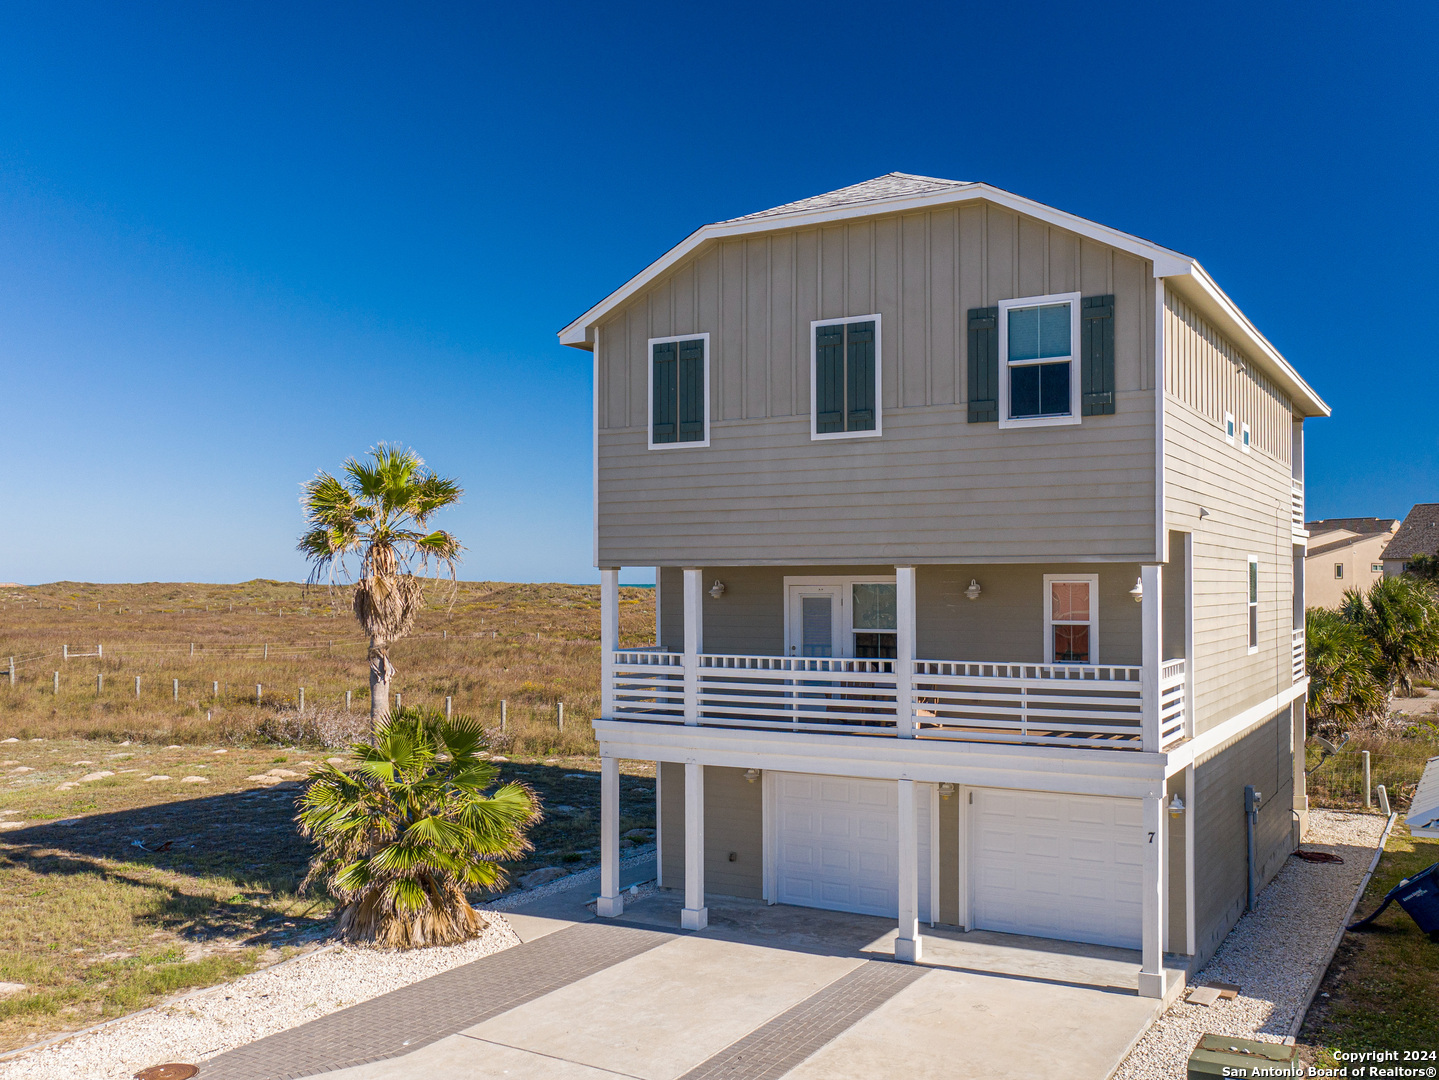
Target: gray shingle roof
[
  {"x": 889, "y": 186},
  {"x": 1419, "y": 535},
  {"x": 1363, "y": 526}
]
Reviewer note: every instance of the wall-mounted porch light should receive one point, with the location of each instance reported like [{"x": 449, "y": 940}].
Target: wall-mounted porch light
[
  {"x": 751, "y": 775},
  {"x": 1176, "y": 806},
  {"x": 1138, "y": 591},
  {"x": 974, "y": 590},
  {"x": 946, "y": 790},
  {"x": 717, "y": 589}
]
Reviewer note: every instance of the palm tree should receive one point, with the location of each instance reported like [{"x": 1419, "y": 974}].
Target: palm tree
[
  {"x": 404, "y": 835},
  {"x": 1346, "y": 685},
  {"x": 1400, "y": 615},
  {"x": 379, "y": 513}
]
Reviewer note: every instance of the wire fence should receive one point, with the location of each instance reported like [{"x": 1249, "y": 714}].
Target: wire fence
[{"x": 1350, "y": 779}]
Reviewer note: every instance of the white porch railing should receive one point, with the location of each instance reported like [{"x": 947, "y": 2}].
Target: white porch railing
[
  {"x": 1298, "y": 650},
  {"x": 1296, "y": 505},
  {"x": 1075, "y": 705}
]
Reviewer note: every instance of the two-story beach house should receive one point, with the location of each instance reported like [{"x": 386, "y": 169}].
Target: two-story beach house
[{"x": 978, "y": 530}]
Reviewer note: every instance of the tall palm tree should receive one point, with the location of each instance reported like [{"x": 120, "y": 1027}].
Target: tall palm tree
[
  {"x": 379, "y": 515},
  {"x": 404, "y": 833},
  {"x": 1400, "y": 615}
]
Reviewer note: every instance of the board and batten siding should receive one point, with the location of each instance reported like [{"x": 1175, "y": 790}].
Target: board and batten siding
[
  {"x": 931, "y": 488},
  {"x": 1246, "y": 502}
]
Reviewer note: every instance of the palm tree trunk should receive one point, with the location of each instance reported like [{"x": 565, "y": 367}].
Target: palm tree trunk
[{"x": 381, "y": 672}]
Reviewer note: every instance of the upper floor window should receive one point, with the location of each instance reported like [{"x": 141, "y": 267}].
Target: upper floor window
[
  {"x": 1376, "y": 568},
  {"x": 679, "y": 391},
  {"x": 1253, "y": 603},
  {"x": 1339, "y": 571},
  {"x": 1071, "y": 619},
  {"x": 1229, "y": 428},
  {"x": 1038, "y": 345},
  {"x": 1244, "y": 429},
  {"x": 845, "y": 378}
]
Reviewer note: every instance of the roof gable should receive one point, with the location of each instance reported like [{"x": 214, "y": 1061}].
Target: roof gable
[
  {"x": 1419, "y": 535},
  {"x": 889, "y": 186}
]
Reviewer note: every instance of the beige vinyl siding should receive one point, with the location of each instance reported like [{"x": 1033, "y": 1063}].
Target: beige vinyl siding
[
  {"x": 1211, "y": 376},
  {"x": 933, "y": 487},
  {"x": 733, "y": 824},
  {"x": 1246, "y": 499}
]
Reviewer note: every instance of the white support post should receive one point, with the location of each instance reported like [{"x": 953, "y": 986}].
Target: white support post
[
  {"x": 694, "y": 641},
  {"x": 610, "y": 902},
  {"x": 908, "y": 944},
  {"x": 695, "y": 915},
  {"x": 609, "y": 637},
  {"x": 1151, "y": 579},
  {"x": 905, "y": 607},
  {"x": 1151, "y": 965}
]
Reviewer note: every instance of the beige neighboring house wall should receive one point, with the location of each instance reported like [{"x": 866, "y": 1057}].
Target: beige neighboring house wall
[{"x": 1342, "y": 555}]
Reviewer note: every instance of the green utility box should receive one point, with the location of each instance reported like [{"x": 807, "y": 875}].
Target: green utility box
[{"x": 1225, "y": 1055}]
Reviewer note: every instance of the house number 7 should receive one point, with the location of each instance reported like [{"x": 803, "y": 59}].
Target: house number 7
[{"x": 1151, "y": 838}]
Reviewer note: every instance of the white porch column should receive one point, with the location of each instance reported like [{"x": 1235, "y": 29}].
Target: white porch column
[
  {"x": 695, "y": 915},
  {"x": 1151, "y": 965},
  {"x": 905, "y": 607},
  {"x": 609, "y": 636},
  {"x": 1151, "y": 578},
  {"x": 694, "y": 641},
  {"x": 908, "y": 944},
  {"x": 610, "y": 902}
]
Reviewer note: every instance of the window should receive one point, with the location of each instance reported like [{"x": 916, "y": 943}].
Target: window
[
  {"x": 844, "y": 385},
  {"x": 1376, "y": 568},
  {"x": 679, "y": 391},
  {"x": 1071, "y": 619},
  {"x": 1245, "y": 429},
  {"x": 1339, "y": 571},
  {"x": 1229, "y": 428},
  {"x": 873, "y": 617},
  {"x": 1253, "y": 603},
  {"x": 1038, "y": 380}
]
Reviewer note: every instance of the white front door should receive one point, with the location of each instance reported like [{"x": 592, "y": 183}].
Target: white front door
[
  {"x": 837, "y": 844},
  {"x": 814, "y": 621},
  {"x": 1057, "y": 866}
]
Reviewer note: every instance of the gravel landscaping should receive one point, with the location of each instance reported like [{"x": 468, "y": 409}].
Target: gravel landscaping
[
  {"x": 1273, "y": 954},
  {"x": 205, "y": 1023}
]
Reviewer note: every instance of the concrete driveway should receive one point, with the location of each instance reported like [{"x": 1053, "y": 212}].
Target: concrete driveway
[{"x": 782, "y": 991}]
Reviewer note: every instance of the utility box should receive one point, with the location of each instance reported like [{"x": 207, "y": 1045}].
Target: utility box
[{"x": 1225, "y": 1055}]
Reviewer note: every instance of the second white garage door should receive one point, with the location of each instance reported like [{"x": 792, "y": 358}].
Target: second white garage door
[
  {"x": 1059, "y": 866},
  {"x": 837, "y": 843}
]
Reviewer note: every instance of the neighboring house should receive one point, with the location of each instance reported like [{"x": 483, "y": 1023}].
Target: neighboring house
[
  {"x": 1344, "y": 554},
  {"x": 1419, "y": 535},
  {"x": 961, "y": 618}
]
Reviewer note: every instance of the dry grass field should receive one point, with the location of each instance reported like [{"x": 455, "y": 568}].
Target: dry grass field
[{"x": 122, "y": 881}]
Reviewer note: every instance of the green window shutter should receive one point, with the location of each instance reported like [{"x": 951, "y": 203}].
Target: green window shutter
[
  {"x": 983, "y": 365},
  {"x": 829, "y": 378},
  {"x": 860, "y": 383},
  {"x": 664, "y": 391},
  {"x": 692, "y": 390},
  {"x": 1096, "y": 356}
]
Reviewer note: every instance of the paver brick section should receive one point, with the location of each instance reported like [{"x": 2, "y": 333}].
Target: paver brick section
[
  {"x": 413, "y": 1016},
  {"x": 770, "y": 1051}
]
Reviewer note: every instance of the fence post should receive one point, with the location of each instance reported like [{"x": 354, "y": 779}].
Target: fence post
[
  {"x": 259, "y": 690},
  {"x": 175, "y": 689},
  {"x": 399, "y": 701},
  {"x": 57, "y": 684},
  {"x": 215, "y": 688},
  {"x": 504, "y": 711},
  {"x": 302, "y": 699},
  {"x": 560, "y": 713},
  {"x": 267, "y": 650},
  {"x": 99, "y": 683},
  {"x": 99, "y": 649},
  {"x": 12, "y": 671},
  {"x": 137, "y": 686},
  {"x": 192, "y": 650},
  {"x": 448, "y": 703},
  {"x": 1383, "y": 801},
  {"x": 64, "y": 652},
  {"x": 1368, "y": 794},
  {"x": 347, "y": 700}
]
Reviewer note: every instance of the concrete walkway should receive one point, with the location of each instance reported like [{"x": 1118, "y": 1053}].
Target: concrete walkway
[{"x": 763, "y": 992}]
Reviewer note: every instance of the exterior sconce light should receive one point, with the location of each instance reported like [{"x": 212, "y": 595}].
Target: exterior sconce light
[
  {"x": 1176, "y": 806},
  {"x": 974, "y": 590},
  {"x": 1138, "y": 591},
  {"x": 946, "y": 790},
  {"x": 751, "y": 775},
  {"x": 717, "y": 589}
]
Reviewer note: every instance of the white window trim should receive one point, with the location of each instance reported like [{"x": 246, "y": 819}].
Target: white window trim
[
  {"x": 846, "y": 607},
  {"x": 1376, "y": 568},
  {"x": 650, "y": 392},
  {"x": 1047, "y": 651},
  {"x": 1244, "y": 439},
  {"x": 1253, "y": 561},
  {"x": 1005, "y": 421},
  {"x": 1229, "y": 428},
  {"x": 814, "y": 433}
]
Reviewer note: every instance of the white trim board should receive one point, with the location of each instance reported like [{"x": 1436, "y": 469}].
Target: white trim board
[{"x": 1208, "y": 743}]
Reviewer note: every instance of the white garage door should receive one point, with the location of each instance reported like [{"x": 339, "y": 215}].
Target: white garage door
[
  {"x": 1059, "y": 866},
  {"x": 837, "y": 844}
]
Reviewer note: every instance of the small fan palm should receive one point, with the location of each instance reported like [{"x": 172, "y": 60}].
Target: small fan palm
[
  {"x": 411, "y": 828},
  {"x": 379, "y": 513},
  {"x": 1400, "y": 615},
  {"x": 1346, "y": 682}
]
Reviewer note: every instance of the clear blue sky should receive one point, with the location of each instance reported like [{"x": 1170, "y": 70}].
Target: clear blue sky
[{"x": 241, "y": 242}]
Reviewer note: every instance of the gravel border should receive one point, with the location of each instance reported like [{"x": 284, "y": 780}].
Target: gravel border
[
  {"x": 1272, "y": 954},
  {"x": 203, "y": 1023}
]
